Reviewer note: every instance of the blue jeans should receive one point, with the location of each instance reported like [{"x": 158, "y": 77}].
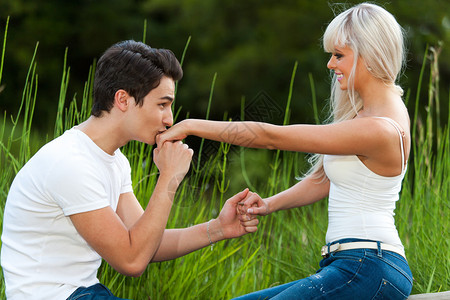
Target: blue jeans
[
  {"x": 94, "y": 292},
  {"x": 349, "y": 274}
]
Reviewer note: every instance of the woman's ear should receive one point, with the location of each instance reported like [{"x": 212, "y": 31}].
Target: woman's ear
[{"x": 122, "y": 100}]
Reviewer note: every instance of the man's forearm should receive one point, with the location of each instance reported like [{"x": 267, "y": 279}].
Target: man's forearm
[
  {"x": 147, "y": 233},
  {"x": 181, "y": 241}
]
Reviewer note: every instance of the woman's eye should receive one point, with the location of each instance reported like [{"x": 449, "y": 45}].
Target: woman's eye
[{"x": 338, "y": 56}]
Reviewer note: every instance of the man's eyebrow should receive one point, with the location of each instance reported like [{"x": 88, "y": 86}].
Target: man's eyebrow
[{"x": 169, "y": 98}]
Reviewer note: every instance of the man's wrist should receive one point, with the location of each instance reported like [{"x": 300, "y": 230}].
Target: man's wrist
[
  {"x": 169, "y": 182},
  {"x": 209, "y": 235},
  {"x": 215, "y": 231}
]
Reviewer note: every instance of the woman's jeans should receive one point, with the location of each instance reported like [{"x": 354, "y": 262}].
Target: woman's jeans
[
  {"x": 349, "y": 274},
  {"x": 94, "y": 292}
]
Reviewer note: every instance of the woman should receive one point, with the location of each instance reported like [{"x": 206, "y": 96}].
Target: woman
[{"x": 360, "y": 162}]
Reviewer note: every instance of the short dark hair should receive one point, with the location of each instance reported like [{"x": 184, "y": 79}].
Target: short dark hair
[{"x": 134, "y": 67}]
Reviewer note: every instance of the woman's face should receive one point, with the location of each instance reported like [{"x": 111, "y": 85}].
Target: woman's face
[{"x": 341, "y": 62}]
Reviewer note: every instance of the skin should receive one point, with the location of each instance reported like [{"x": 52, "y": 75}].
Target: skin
[
  {"x": 131, "y": 237},
  {"x": 373, "y": 140}
]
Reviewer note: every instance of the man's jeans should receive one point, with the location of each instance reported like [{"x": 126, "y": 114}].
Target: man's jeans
[{"x": 95, "y": 292}]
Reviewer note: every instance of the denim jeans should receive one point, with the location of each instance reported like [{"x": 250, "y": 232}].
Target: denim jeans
[
  {"x": 94, "y": 292},
  {"x": 349, "y": 274}
]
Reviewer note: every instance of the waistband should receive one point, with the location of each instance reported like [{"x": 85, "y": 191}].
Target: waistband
[{"x": 327, "y": 249}]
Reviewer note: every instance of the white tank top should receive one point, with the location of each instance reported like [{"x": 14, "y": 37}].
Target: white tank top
[{"x": 361, "y": 202}]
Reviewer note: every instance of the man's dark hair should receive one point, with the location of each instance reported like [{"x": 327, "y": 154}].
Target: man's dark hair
[{"x": 134, "y": 67}]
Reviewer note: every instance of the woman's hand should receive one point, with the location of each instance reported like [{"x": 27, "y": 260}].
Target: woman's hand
[
  {"x": 251, "y": 206},
  {"x": 177, "y": 132}
]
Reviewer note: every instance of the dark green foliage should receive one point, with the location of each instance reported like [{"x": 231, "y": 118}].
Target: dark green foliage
[{"x": 251, "y": 45}]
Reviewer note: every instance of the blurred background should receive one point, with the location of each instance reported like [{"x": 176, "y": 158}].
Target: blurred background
[{"x": 251, "y": 45}]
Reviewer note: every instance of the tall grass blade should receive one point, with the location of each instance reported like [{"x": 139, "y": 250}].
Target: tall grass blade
[
  {"x": 199, "y": 159},
  {"x": 313, "y": 97},
  {"x": 181, "y": 63},
  {"x": 3, "y": 50}
]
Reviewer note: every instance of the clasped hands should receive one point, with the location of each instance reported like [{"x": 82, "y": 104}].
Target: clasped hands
[{"x": 250, "y": 207}]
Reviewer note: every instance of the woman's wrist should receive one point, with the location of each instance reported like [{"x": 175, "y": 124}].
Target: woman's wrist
[
  {"x": 269, "y": 205},
  {"x": 187, "y": 126}
]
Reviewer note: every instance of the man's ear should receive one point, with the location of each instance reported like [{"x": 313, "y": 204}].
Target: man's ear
[{"x": 122, "y": 100}]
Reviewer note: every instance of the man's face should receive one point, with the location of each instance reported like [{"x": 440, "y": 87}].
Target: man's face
[{"x": 155, "y": 114}]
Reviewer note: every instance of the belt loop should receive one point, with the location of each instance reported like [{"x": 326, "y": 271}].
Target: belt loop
[
  {"x": 329, "y": 253},
  {"x": 379, "y": 253}
]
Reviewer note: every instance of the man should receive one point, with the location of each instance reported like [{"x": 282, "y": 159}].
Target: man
[{"x": 72, "y": 204}]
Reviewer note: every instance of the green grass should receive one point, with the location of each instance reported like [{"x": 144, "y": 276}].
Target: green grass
[{"x": 287, "y": 244}]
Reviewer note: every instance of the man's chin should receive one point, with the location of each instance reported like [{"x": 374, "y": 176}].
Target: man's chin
[{"x": 149, "y": 141}]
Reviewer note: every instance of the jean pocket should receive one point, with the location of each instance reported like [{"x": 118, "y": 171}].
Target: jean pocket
[
  {"x": 388, "y": 291},
  {"x": 79, "y": 294}
]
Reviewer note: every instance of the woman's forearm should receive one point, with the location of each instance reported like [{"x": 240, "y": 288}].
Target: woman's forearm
[
  {"x": 246, "y": 134},
  {"x": 307, "y": 191}
]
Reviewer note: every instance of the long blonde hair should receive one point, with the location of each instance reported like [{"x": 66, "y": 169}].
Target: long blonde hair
[{"x": 374, "y": 35}]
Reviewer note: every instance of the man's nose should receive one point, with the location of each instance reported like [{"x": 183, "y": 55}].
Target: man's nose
[{"x": 168, "y": 118}]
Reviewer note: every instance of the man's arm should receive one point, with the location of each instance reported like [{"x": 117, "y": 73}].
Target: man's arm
[
  {"x": 179, "y": 242},
  {"x": 126, "y": 245}
]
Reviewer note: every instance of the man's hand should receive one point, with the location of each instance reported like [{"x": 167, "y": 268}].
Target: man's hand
[
  {"x": 173, "y": 160},
  {"x": 227, "y": 225}
]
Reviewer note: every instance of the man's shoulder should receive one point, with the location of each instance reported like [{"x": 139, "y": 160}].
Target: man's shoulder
[
  {"x": 73, "y": 153},
  {"x": 63, "y": 142},
  {"x": 62, "y": 152}
]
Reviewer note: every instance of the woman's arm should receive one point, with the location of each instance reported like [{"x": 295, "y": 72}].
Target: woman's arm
[
  {"x": 307, "y": 191},
  {"x": 361, "y": 136},
  {"x": 373, "y": 140}
]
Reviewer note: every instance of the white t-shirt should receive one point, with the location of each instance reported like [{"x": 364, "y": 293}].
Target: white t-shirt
[{"x": 42, "y": 255}]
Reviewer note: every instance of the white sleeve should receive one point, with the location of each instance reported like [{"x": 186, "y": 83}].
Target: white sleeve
[
  {"x": 77, "y": 187},
  {"x": 125, "y": 167}
]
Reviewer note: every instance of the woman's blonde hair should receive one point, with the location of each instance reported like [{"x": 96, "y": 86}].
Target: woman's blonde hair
[{"x": 374, "y": 35}]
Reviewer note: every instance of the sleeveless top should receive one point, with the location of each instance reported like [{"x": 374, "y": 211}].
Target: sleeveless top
[{"x": 361, "y": 202}]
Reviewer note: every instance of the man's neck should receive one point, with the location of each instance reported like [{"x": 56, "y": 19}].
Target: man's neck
[{"x": 104, "y": 133}]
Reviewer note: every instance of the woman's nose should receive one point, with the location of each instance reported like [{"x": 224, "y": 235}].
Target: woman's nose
[{"x": 331, "y": 64}]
